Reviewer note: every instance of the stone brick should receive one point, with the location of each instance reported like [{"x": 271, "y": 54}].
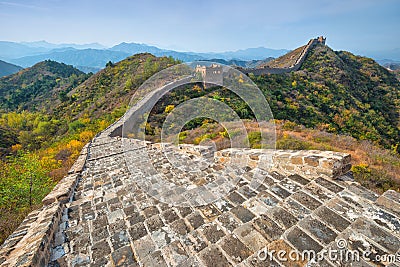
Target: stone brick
[
  {"x": 344, "y": 209},
  {"x": 100, "y": 249},
  {"x": 284, "y": 218},
  {"x": 282, "y": 245},
  {"x": 150, "y": 211},
  {"x": 194, "y": 242},
  {"x": 144, "y": 247},
  {"x": 113, "y": 222},
  {"x": 155, "y": 259},
  {"x": 115, "y": 216},
  {"x": 169, "y": 215},
  {"x": 195, "y": 220},
  {"x": 312, "y": 160},
  {"x": 335, "y": 220},
  {"x": 267, "y": 199},
  {"x": 242, "y": 214},
  {"x": 235, "y": 248},
  {"x": 298, "y": 210},
  {"x": 119, "y": 239},
  {"x": 154, "y": 223},
  {"x": 249, "y": 236},
  {"x": 184, "y": 211},
  {"x": 319, "y": 192},
  {"x": 298, "y": 179},
  {"x": 131, "y": 209},
  {"x": 377, "y": 234},
  {"x": 279, "y": 191},
  {"x": 319, "y": 230},
  {"x": 135, "y": 218},
  {"x": 255, "y": 261},
  {"x": 212, "y": 256},
  {"x": 179, "y": 227},
  {"x": 210, "y": 211},
  {"x": 390, "y": 201},
  {"x": 362, "y": 192},
  {"x": 297, "y": 160},
  {"x": 267, "y": 228},
  {"x": 277, "y": 176},
  {"x": 247, "y": 192},
  {"x": 228, "y": 221},
  {"x": 329, "y": 185},
  {"x": 137, "y": 231},
  {"x": 99, "y": 234},
  {"x": 175, "y": 254},
  {"x": 162, "y": 237},
  {"x": 302, "y": 241},
  {"x": 306, "y": 200},
  {"x": 212, "y": 232},
  {"x": 235, "y": 198}
]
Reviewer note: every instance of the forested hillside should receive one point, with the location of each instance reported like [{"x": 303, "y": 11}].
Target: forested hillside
[
  {"x": 38, "y": 88},
  {"x": 50, "y": 111}
]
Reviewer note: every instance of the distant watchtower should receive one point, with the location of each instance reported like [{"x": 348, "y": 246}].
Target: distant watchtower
[
  {"x": 321, "y": 40},
  {"x": 211, "y": 74}
]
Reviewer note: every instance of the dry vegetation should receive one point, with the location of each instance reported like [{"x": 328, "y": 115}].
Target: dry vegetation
[{"x": 374, "y": 167}]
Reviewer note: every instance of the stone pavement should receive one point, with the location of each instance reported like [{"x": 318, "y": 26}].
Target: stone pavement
[{"x": 102, "y": 214}]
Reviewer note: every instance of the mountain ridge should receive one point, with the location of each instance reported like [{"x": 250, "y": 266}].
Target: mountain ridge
[
  {"x": 38, "y": 87},
  {"x": 8, "y": 68},
  {"x": 31, "y": 53}
]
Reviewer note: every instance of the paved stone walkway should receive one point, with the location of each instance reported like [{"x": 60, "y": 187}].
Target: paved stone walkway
[{"x": 112, "y": 221}]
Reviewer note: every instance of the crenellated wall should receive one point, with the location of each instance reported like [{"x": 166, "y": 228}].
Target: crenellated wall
[{"x": 299, "y": 61}]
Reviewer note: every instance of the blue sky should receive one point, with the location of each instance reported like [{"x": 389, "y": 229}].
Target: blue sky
[{"x": 353, "y": 25}]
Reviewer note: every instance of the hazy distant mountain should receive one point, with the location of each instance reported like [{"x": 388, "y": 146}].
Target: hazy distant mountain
[
  {"x": 241, "y": 55},
  {"x": 241, "y": 63},
  {"x": 93, "y": 58},
  {"x": 10, "y": 50},
  {"x": 48, "y": 45},
  {"x": 248, "y": 54},
  {"x": 135, "y": 48},
  {"x": 392, "y": 66},
  {"x": 390, "y": 55},
  {"x": 8, "y": 69}
]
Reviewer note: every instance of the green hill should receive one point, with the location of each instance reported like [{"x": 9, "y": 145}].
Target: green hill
[
  {"x": 333, "y": 91},
  {"x": 340, "y": 93},
  {"x": 38, "y": 88},
  {"x": 8, "y": 68}
]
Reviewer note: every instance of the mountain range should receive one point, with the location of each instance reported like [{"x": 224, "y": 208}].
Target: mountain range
[
  {"x": 93, "y": 57},
  {"x": 7, "y": 68}
]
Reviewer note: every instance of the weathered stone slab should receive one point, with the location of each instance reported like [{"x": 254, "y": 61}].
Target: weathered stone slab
[{"x": 390, "y": 200}]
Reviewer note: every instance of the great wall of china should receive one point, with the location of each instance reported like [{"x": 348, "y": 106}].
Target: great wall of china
[
  {"x": 293, "y": 67},
  {"x": 98, "y": 215}
]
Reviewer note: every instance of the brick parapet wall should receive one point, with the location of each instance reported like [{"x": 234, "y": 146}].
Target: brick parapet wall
[
  {"x": 310, "y": 163},
  {"x": 30, "y": 243}
]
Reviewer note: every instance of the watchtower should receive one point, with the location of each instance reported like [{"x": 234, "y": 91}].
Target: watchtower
[{"x": 211, "y": 74}]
